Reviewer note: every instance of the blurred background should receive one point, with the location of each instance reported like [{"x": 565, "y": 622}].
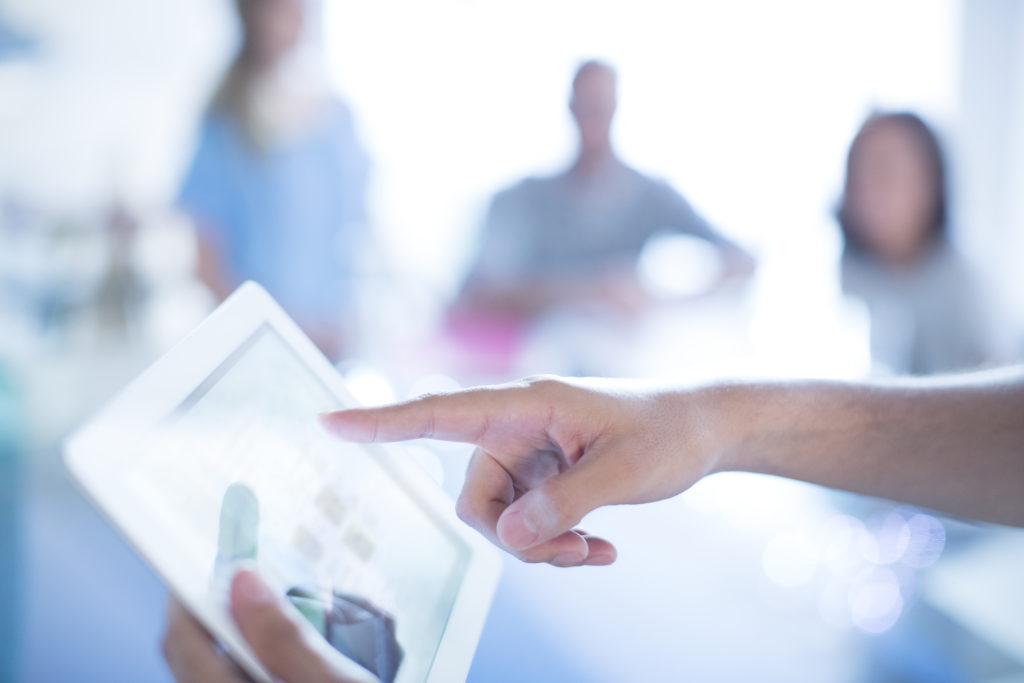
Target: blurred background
[{"x": 460, "y": 191}]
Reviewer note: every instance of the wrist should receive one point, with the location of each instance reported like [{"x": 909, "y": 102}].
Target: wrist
[
  {"x": 726, "y": 420},
  {"x": 706, "y": 430}
]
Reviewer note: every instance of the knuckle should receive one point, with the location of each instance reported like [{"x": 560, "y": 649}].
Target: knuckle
[
  {"x": 465, "y": 510},
  {"x": 544, "y": 384},
  {"x": 557, "y": 506}
]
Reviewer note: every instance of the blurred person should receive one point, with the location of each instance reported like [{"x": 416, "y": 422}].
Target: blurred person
[
  {"x": 277, "y": 183},
  {"x": 924, "y": 302},
  {"x": 574, "y": 238}
]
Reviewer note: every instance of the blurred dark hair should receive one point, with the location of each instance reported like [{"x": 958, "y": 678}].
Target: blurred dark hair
[{"x": 914, "y": 125}]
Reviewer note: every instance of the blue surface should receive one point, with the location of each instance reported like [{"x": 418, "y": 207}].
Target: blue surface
[
  {"x": 10, "y": 541},
  {"x": 508, "y": 652},
  {"x": 93, "y": 610}
]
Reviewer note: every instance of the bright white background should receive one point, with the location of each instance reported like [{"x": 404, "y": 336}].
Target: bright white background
[{"x": 746, "y": 106}]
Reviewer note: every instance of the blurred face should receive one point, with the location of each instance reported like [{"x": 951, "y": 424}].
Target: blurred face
[
  {"x": 892, "y": 192},
  {"x": 272, "y": 28},
  {"x": 593, "y": 107}
]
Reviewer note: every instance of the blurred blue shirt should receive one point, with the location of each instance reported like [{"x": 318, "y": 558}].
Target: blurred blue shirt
[{"x": 289, "y": 217}]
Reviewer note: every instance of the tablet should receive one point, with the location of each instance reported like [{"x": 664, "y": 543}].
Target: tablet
[{"x": 213, "y": 459}]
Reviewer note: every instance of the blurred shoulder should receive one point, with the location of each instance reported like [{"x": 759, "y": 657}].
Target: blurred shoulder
[
  {"x": 337, "y": 108},
  {"x": 526, "y": 190},
  {"x": 655, "y": 189},
  {"x": 218, "y": 125},
  {"x": 337, "y": 117},
  {"x": 942, "y": 268},
  {"x": 954, "y": 274},
  {"x": 944, "y": 256},
  {"x": 656, "y": 186}
]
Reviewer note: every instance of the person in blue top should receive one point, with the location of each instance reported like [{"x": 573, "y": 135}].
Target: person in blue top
[{"x": 276, "y": 187}]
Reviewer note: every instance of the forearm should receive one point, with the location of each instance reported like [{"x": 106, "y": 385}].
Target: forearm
[{"x": 953, "y": 444}]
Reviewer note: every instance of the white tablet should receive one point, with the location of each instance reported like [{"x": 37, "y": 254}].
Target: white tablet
[{"x": 213, "y": 459}]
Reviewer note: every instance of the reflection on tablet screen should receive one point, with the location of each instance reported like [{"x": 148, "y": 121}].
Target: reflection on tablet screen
[{"x": 241, "y": 472}]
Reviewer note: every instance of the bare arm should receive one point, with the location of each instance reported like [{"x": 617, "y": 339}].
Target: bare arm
[
  {"x": 954, "y": 444},
  {"x": 550, "y": 450}
]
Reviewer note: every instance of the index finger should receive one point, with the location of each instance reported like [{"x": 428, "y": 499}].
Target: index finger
[{"x": 459, "y": 416}]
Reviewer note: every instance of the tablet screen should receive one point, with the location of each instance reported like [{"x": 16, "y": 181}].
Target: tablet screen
[{"x": 242, "y": 472}]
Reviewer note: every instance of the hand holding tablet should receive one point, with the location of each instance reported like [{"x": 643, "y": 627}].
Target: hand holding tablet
[
  {"x": 213, "y": 460},
  {"x": 279, "y": 646}
]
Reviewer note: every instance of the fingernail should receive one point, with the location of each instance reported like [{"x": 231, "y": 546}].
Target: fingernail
[
  {"x": 250, "y": 587},
  {"x": 600, "y": 559},
  {"x": 324, "y": 419},
  {"x": 567, "y": 558},
  {"x": 517, "y": 530}
]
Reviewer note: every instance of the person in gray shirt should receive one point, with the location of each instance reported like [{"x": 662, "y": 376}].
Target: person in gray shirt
[{"x": 574, "y": 237}]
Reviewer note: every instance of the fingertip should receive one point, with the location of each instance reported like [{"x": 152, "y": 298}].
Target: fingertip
[
  {"x": 571, "y": 558},
  {"x": 326, "y": 421},
  {"x": 601, "y": 558},
  {"x": 601, "y": 552},
  {"x": 349, "y": 425},
  {"x": 249, "y": 590}
]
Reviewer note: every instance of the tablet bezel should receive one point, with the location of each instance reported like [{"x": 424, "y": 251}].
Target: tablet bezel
[{"x": 92, "y": 454}]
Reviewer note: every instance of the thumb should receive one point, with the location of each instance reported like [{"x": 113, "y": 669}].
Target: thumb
[
  {"x": 556, "y": 506},
  {"x": 279, "y": 643},
  {"x": 276, "y": 640}
]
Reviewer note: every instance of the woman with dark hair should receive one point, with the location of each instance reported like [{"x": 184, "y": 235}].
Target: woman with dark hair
[{"x": 926, "y": 311}]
